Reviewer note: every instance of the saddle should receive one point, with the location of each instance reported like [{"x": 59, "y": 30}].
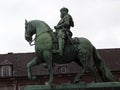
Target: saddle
[{"x": 68, "y": 41}]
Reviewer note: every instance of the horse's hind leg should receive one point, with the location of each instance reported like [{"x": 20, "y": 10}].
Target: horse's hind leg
[
  {"x": 79, "y": 76},
  {"x": 30, "y": 64},
  {"x": 82, "y": 61},
  {"x": 94, "y": 73}
]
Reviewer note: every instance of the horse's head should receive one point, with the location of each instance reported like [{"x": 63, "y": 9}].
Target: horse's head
[{"x": 29, "y": 31}]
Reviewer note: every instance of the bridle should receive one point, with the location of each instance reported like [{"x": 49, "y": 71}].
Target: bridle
[{"x": 30, "y": 42}]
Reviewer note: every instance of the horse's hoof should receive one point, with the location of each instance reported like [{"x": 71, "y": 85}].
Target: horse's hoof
[
  {"x": 76, "y": 81},
  {"x": 48, "y": 83}
]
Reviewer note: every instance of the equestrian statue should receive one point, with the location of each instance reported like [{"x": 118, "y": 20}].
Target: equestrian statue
[{"x": 59, "y": 47}]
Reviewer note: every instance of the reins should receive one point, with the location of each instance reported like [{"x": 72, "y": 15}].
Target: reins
[{"x": 30, "y": 42}]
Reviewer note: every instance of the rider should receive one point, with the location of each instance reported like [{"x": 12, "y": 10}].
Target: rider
[{"x": 63, "y": 28}]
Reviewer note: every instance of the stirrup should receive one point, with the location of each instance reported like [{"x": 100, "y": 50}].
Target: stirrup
[{"x": 56, "y": 51}]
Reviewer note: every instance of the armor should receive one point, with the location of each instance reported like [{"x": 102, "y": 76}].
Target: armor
[{"x": 63, "y": 28}]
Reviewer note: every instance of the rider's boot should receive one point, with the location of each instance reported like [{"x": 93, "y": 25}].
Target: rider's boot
[{"x": 61, "y": 45}]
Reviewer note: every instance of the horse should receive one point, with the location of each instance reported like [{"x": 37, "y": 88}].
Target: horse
[{"x": 79, "y": 53}]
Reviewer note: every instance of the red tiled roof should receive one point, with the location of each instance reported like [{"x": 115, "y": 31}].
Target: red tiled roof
[{"x": 19, "y": 61}]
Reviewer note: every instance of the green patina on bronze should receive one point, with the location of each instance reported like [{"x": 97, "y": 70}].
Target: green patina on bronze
[
  {"x": 78, "y": 52},
  {"x": 63, "y": 28},
  {"x": 83, "y": 86},
  {"x": 58, "y": 47}
]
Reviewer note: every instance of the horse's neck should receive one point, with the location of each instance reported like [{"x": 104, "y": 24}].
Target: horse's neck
[{"x": 40, "y": 30}]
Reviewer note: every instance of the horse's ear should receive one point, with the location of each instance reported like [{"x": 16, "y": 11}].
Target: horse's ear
[{"x": 26, "y": 21}]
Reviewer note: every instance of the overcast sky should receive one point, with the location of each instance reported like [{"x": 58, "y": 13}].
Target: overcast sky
[{"x": 97, "y": 20}]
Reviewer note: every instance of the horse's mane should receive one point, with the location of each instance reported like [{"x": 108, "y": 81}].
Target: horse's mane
[{"x": 40, "y": 22}]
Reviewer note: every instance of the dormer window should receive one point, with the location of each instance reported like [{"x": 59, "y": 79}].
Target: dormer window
[
  {"x": 6, "y": 71},
  {"x": 6, "y": 68},
  {"x": 63, "y": 69}
]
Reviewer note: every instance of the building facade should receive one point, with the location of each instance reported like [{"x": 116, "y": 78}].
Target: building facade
[{"x": 13, "y": 71}]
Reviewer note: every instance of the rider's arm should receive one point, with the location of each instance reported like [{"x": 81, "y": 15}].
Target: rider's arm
[{"x": 66, "y": 22}]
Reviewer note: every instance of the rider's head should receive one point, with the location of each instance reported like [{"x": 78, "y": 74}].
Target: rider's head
[{"x": 63, "y": 12}]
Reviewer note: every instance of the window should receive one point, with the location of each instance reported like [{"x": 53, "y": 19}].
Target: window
[
  {"x": 63, "y": 69},
  {"x": 6, "y": 68},
  {"x": 6, "y": 71}
]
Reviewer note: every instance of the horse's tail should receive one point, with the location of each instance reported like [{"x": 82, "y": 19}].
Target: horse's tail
[{"x": 102, "y": 69}]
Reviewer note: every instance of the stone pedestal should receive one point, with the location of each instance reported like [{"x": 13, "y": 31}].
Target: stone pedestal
[{"x": 82, "y": 86}]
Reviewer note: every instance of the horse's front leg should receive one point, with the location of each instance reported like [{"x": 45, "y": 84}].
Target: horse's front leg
[
  {"x": 51, "y": 80},
  {"x": 30, "y": 65},
  {"x": 48, "y": 59}
]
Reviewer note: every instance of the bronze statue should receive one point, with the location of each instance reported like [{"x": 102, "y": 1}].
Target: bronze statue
[
  {"x": 63, "y": 28},
  {"x": 80, "y": 51}
]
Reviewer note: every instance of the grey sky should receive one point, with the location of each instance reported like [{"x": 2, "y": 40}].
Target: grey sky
[{"x": 97, "y": 20}]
